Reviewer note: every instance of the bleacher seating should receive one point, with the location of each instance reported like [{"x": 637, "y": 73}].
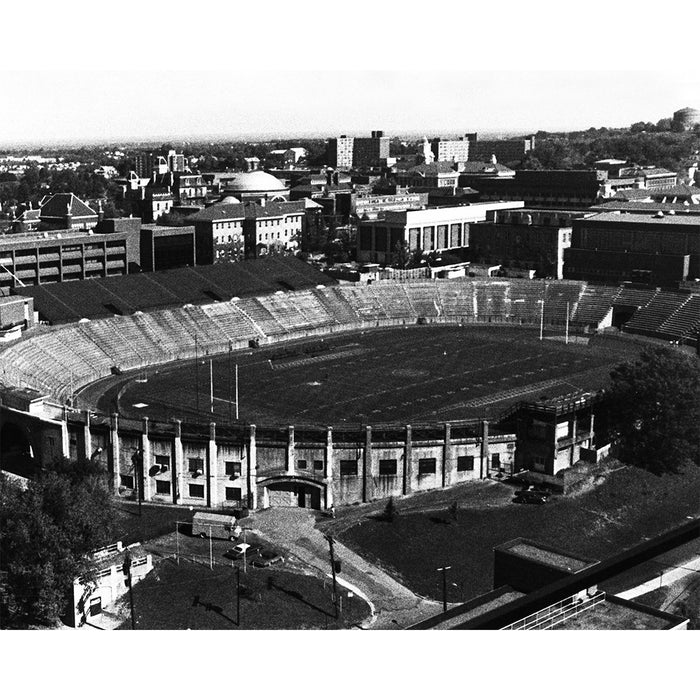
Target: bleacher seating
[
  {"x": 61, "y": 359},
  {"x": 648, "y": 319},
  {"x": 684, "y": 322},
  {"x": 594, "y": 305}
]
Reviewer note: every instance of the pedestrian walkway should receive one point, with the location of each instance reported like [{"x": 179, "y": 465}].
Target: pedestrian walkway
[{"x": 294, "y": 530}]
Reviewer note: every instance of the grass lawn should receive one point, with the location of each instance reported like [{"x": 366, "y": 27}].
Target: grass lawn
[
  {"x": 630, "y": 505},
  {"x": 192, "y": 596}
]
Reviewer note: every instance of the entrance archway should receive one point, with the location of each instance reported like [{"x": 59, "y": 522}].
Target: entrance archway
[{"x": 291, "y": 494}]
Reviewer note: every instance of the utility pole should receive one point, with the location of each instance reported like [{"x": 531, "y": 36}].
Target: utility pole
[
  {"x": 127, "y": 570},
  {"x": 211, "y": 557},
  {"x": 444, "y": 570},
  {"x": 331, "y": 542},
  {"x": 566, "y": 342}
]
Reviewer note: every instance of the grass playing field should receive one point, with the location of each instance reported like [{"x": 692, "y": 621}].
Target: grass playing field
[{"x": 413, "y": 373}]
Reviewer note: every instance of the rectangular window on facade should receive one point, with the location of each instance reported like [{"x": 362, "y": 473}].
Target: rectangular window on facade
[
  {"x": 318, "y": 465},
  {"x": 233, "y": 494},
  {"x": 232, "y": 468},
  {"x": 163, "y": 487},
  {"x": 348, "y": 467},
  {"x": 427, "y": 466},
  {"x": 465, "y": 463},
  {"x": 387, "y": 467},
  {"x": 163, "y": 462},
  {"x": 301, "y": 464},
  {"x": 127, "y": 482},
  {"x": 196, "y": 490},
  {"x": 196, "y": 464}
]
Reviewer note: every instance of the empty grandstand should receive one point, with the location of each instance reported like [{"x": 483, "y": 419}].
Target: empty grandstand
[{"x": 123, "y": 295}]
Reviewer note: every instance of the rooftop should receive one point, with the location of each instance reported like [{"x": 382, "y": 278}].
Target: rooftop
[
  {"x": 646, "y": 218},
  {"x": 65, "y": 204},
  {"x": 545, "y": 555}
]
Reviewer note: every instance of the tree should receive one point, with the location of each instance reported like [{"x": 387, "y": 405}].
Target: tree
[
  {"x": 48, "y": 530},
  {"x": 654, "y": 407},
  {"x": 390, "y": 510}
]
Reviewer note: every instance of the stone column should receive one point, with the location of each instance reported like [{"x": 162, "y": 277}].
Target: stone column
[
  {"x": 87, "y": 438},
  {"x": 484, "y": 466},
  {"x": 291, "y": 456},
  {"x": 252, "y": 470},
  {"x": 407, "y": 462},
  {"x": 329, "y": 467},
  {"x": 146, "y": 462},
  {"x": 367, "y": 490},
  {"x": 447, "y": 476},
  {"x": 114, "y": 451},
  {"x": 65, "y": 439},
  {"x": 178, "y": 463},
  {"x": 212, "y": 468}
]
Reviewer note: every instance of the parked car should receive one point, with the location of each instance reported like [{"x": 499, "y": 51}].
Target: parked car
[
  {"x": 242, "y": 549},
  {"x": 267, "y": 558},
  {"x": 531, "y": 495}
]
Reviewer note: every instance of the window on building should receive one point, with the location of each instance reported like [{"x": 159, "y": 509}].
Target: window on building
[
  {"x": 387, "y": 467},
  {"x": 127, "y": 481},
  {"x": 196, "y": 490},
  {"x": 163, "y": 462},
  {"x": 318, "y": 465},
  {"x": 163, "y": 487},
  {"x": 233, "y": 494},
  {"x": 427, "y": 466},
  {"x": 348, "y": 467},
  {"x": 196, "y": 464},
  {"x": 301, "y": 464},
  {"x": 465, "y": 463},
  {"x": 232, "y": 468}
]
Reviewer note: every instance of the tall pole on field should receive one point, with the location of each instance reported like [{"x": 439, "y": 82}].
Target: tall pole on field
[
  {"x": 211, "y": 556},
  {"x": 444, "y": 570},
  {"x": 196, "y": 370},
  {"x": 566, "y": 342},
  {"x": 211, "y": 386},
  {"x": 230, "y": 402},
  {"x": 236, "y": 391},
  {"x": 542, "y": 320},
  {"x": 238, "y": 596}
]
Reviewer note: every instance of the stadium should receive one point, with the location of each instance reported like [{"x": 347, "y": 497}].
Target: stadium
[{"x": 266, "y": 383}]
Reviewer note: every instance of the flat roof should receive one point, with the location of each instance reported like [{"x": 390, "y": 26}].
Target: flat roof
[
  {"x": 617, "y": 614},
  {"x": 546, "y": 555},
  {"x": 642, "y": 218}
]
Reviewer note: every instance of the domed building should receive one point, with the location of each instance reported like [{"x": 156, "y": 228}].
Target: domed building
[
  {"x": 686, "y": 118},
  {"x": 254, "y": 185}
]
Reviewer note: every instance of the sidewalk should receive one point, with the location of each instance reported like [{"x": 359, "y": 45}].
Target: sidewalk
[{"x": 294, "y": 530}]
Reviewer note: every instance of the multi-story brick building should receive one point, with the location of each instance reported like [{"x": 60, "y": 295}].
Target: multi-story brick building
[
  {"x": 428, "y": 230},
  {"x": 505, "y": 150},
  {"x": 526, "y": 239},
  {"x": 347, "y": 152},
  {"x": 59, "y": 256},
  {"x": 65, "y": 211},
  {"x": 454, "y": 150},
  {"x": 340, "y": 152},
  {"x": 642, "y": 247},
  {"x": 233, "y": 231}
]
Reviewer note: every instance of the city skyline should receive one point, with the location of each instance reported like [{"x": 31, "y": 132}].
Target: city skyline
[{"x": 114, "y": 106}]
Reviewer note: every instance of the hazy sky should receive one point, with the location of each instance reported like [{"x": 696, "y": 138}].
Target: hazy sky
[{"x": 300, "y": 68}]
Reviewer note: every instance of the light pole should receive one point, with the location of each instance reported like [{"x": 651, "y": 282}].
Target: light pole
[
  {"x": 331, "y": 542},
  {"x": 541, "y": 302},
  {"x": 444, "y": 570}
]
